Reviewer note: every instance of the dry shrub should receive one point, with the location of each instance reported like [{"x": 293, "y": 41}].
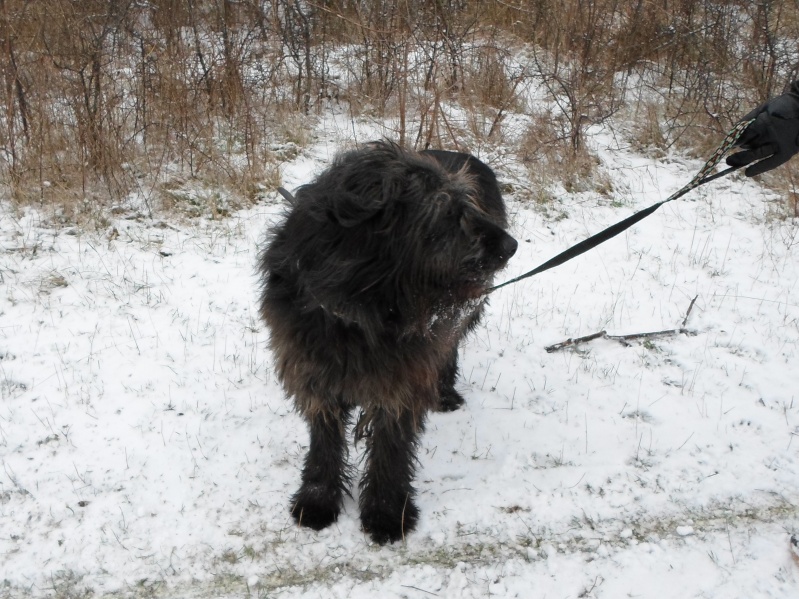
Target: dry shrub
[
  {"x": 551, "y": 158},
  {"x": 784, "y": 182},
  {"x": 107, "y": 100},
  {"x": 647, "y": 128},
  {"x": 491, "y": 83},
  {"x": 488, "y": 77}
]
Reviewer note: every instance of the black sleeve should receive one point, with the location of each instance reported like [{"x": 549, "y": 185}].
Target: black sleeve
[{"x": 772, "y": 138}]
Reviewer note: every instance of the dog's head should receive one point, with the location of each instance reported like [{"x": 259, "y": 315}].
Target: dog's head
[
  {"x": 388, "y": 234},
  {"x": 466, "y": 244}
]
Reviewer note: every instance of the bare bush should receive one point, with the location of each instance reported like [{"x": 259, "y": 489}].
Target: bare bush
[{"x": 110, "y": 100}]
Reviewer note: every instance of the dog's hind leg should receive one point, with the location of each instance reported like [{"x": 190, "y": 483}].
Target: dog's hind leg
[
  {"x": 387, "y": 505},
  {"x": 325, "y": 478}
]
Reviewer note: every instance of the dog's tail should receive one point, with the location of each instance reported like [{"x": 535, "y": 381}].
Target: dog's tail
[{"x": 287, "y": 195}]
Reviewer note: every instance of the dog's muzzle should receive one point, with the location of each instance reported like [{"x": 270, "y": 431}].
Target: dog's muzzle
[{"x": 507, "y": 247}]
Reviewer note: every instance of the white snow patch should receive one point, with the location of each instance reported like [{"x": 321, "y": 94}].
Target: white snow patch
[{"x": 147, "y": 450}]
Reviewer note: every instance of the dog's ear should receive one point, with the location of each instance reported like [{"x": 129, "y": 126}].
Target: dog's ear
[
  {"x": 349, "y": 209},
  {"x": 382, "y": 179}
]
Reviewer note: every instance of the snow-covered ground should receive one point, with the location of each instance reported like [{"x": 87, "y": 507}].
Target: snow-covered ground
[{"x": 146, "y": 449}]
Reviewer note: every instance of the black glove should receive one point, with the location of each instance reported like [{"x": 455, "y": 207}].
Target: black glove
[{"x": 773, "y": 136}]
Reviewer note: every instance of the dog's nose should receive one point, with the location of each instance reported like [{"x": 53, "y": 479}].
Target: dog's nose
[{"x": 508, "y": 246}]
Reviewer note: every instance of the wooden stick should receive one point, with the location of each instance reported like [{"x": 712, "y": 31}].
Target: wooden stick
[
  {"x": 690, "y": 307},
  {"x": 569, "y": 342},
  {"x": 625, "y": 338}
]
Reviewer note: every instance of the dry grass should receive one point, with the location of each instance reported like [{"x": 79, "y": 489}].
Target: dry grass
[
  {"x": 108, "y": 101},
  {"x": 550, "y": 157}
]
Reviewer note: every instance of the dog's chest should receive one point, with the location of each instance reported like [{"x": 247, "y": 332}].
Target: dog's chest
[{"x": 452, "y": 321}]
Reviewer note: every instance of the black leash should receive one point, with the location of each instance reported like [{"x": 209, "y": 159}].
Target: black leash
[
  {"x": 287, "y": 195},
  {"x": 701, "y": 178}
]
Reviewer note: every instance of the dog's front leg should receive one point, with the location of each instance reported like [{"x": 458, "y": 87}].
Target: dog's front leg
[
  {"x": 387, "y": 507},
  {"x": 325, "y": 478},
  {"x": 449, "y": 398}
]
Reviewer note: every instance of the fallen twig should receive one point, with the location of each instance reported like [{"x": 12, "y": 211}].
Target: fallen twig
[
  {"x": 688, "y": 312},
  {"x": 569, "y": 342},
  {"x": 625, "y": 338}
]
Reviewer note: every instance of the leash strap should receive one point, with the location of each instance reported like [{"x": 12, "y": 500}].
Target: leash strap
[
  {"x": 286, "y": 195},
  {"x": 700, "y": 178}
]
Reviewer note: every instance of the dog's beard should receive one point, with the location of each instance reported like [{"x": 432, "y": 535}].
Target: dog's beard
[{"x": 470, "y": 289}]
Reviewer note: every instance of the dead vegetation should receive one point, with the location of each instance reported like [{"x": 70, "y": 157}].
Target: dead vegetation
[{"x": 169, "y": 100}]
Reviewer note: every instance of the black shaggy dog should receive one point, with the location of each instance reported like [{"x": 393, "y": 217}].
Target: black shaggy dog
[{"x": 369, "y": 284}]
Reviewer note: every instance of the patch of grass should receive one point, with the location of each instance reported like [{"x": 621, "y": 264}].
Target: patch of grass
[
  {"x": 551, "y": 159},
  {"x": 717, "y": 517},
  {"x": 647, "y": 133}
]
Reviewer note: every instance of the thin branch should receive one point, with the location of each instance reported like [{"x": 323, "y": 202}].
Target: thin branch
[{"x": 629, "y": 337}]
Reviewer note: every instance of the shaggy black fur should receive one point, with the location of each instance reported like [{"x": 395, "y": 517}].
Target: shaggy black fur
[{"x": 369, "y": 284}]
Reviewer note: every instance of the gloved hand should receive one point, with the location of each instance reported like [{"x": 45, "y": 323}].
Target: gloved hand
[{"x": 773, "y": 137}]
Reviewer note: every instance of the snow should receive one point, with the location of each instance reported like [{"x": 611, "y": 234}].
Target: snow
[{"x": 148, "y": 451}]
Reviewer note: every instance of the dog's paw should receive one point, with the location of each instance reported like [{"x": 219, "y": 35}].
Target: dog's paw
[
  {"x": 387, "y": 525},
  {"x": 314, "y": 508},
  {"x": 449, "y": 400}
]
